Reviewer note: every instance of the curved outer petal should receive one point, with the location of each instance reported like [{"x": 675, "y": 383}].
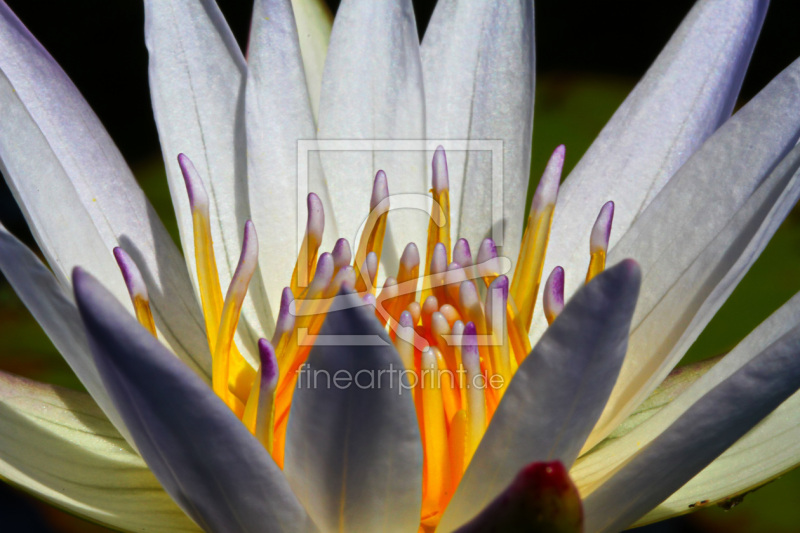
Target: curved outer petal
[
  {"x": 372, "y": 89},
  {"x": 78, "y": 195},
  {"x": 478, "y": 61},
  {"x": 702, "y": 233},
  {"x": 197, "y": 78},
  {"x": 731, "y": 399},
  {"x": 769, "y": 450},
  {"x": 54, "y": 310},
  {"x": 557, "y": 394},
  {"x": 204, "y": 457},
  {"x": 593, "y": 469},
  {"x": 278, "y": 116},
  {"x": 314, "y": 20},
  {"x": 685, "y": 96},
  {"x": 56, "y": 444},
  {"x": 353, "y": 452}
]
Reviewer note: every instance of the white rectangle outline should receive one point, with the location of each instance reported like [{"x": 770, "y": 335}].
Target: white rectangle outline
[{"x": 304, "y": 146}]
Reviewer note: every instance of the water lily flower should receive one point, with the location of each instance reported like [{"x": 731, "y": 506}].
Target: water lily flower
[{"x": 251, "y": 384}]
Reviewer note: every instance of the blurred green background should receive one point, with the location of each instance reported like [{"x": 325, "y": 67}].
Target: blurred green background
[{"x": 589, "y": 56}]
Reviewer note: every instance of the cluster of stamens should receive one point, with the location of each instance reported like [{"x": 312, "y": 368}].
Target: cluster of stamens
[{"x": 460, "y": 327}]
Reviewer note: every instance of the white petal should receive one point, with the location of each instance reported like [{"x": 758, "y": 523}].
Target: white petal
[
  {"x": 557, "y": 394},
  {"x": 685, "y": 96},
  {"x": 78, "y": 195},
  {"x": 200, "y": 452},
  {"x": 769, "y": 450},
  {"x": 592, "y": 469},
  {"x": 701, "y": 234},
  {"x": 56, "y": 444},
  {"x": 314, "y": 20},
  {"x": 478, "y": 62},
  {"x": 353, "y": 452},
  {"x": 197, "y": 78},
  {"x": 278, "y": 116},
  {"x": 54, "y": 310},
  {"x": 372, "y": 89},
  {"x": 745, "y": 390}
]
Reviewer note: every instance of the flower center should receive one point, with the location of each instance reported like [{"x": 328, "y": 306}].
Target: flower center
[{"x": 460, "y": 328}]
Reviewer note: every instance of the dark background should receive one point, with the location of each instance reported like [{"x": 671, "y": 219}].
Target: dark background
[{"x": 589, "y": 55}]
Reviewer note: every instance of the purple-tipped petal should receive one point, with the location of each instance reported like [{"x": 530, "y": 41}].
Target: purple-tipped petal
[
  {"x": 557, "y": 393},
  {"x": 201, "y": 453}
]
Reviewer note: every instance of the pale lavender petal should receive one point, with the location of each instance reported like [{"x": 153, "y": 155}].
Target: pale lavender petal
[
  {"x": 557, "y": 394},
  {"x": 204, "y": 457},
  {"x": 353, "y": 453},
  {"x": 688, "y": 92},
  {"x": 62, "y": 166}
]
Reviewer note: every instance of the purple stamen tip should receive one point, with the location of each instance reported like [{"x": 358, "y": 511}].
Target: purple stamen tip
[
  {"x": 269, "y": 363},
  {"x": 601, "y": 232},
  {"x": 410, "y": 256},
  {"x": 194, "y": 185},
  {"x": 130, "y": 273},
  {"x": 342, "y": 253},
  {"x": 461, "y": 252},
  {"x": 316, "y": 215},
  {"x": 501, "y": 283},
  {"x": 441, "y": 180},
  {"x": 380, "y": 190},
  {"x": 469, "y": 345},
  {"x": 249, "y": 253},
  {"x": 406, "y": 320},
  {"x": 487, "y": 250}
]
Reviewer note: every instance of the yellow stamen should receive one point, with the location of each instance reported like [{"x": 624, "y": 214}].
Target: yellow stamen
[
  {"x": 306, "y": 263},
  {"x": 259, "y": 413},
  {"x": 436, "y": 480},
  {"x": 374, "y": 231},
  {"x": 207, "y": 274},
  {"x": 459, "y": 444},
  {"x": 475, "y": 385},
  {"x": 227, "y": 362},
  {"x": 439, "y": 233},
  {"x": 528, "y": 271}
]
